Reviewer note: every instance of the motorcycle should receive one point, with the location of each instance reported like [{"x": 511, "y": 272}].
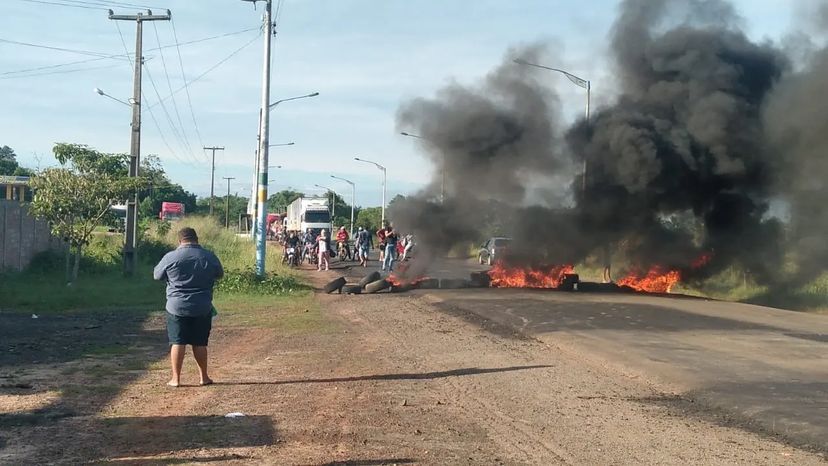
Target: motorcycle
[
  {"x": 291, "y": 258},
  {"x": 310, "y": 255},
  {"x": 343, "y": 251}
]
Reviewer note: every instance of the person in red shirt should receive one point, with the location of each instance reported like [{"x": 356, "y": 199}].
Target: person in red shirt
[
  {"x": 342, "y": 239},
  {"x": 381, "y": 237}
]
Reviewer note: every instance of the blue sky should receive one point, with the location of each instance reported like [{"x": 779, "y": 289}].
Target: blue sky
[{"x": 363, "y": 57}]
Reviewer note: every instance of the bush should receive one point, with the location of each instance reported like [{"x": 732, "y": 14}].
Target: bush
[{"x": 246, "y": 281}]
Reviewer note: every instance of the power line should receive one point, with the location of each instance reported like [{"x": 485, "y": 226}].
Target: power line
[
  {"x": 169, "y": 86},
  {"x": 221, "y": 62},
  {"x": 186, "y": 88},
  {"x": 100, "y": 56},
  {"x": 43, "y": 2},
  {"x": 149, "y": 107},
  {"x": 59, "y": 49},
  {"x": 34, "y": 75}
]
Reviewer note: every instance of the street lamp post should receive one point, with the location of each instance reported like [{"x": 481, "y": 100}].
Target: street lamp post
[
  {"x": 353, "y": 199},
  {"x": 580, "y": 82},
  {"x": 384, "y": 184},
  {"x": 333, "y": 200},
  {"x": 264, "y": 146},
  {"x": 442, "y": 172}
]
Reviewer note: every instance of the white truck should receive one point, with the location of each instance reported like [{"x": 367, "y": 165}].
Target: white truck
[{"x": 308, "y": 212}]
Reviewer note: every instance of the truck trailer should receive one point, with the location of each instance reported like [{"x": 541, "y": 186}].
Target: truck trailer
[{"x": 308, "y": 212}]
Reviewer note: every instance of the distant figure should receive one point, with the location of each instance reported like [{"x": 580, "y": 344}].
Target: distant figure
[
  {"x": 324, "y": 249},
  {"x": 408, "y": 245},
  {"x": 390, "y": 249},
  {"x": 381, "y": 240},
  {"x": 190, "y": 272},
  {"x": 364, "y": 242}
]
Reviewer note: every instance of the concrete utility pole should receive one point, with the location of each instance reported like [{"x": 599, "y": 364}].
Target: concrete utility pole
[
  {"x": 131, "y": 240},
  {"x": 213, "y": 174},
  {"x": 227, "y": 209},
  {"x": 264, "y": 144}
]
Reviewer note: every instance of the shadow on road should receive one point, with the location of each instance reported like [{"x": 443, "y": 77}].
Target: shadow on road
[
  {"x": 377, "y": 462},
  {"x": 403, "y": 376},
  {"x": 798, "y": 414}
]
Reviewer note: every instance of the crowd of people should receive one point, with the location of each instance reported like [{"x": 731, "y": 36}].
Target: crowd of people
[{"x": 319, "y": 248}]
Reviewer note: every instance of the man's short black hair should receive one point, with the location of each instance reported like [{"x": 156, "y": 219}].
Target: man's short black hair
[{"x": 187, "y": 235}]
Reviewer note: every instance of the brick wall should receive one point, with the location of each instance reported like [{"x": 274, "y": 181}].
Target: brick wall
[{"x": 22, "y": 236}]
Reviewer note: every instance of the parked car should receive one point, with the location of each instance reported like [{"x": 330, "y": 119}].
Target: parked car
[{"x": 493, "y": 249}]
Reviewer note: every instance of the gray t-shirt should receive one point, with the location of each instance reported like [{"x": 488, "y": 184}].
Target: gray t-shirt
[{"x": 190, "y": 272}]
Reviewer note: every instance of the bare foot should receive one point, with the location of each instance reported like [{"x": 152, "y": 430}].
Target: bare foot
[
  {"x": 172, "y": 383},
  {"x": 206, "y": 382}
]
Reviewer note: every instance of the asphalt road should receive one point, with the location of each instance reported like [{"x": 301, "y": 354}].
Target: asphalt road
[{"x": 765, "y": 369}]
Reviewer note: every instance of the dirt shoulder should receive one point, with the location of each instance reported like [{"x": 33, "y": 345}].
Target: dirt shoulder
[{"x": 330, "y": 379}]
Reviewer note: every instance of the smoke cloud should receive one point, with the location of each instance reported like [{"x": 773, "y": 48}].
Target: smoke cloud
[{"x": 708, "y": 129}]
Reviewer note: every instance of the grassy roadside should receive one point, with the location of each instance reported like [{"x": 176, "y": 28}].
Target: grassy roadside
[{"x": 102, "y": 285}]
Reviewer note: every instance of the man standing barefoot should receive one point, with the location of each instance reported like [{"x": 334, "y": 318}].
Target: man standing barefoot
[{"x": 190, "y": 273}]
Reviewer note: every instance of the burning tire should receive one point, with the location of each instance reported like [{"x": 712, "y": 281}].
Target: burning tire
[
  {"x": 352, "y": 289},
  {"x": 370, "y": 278},
  {"x": 453, "y": 283},
  {"x": 335, "y": 285},
  {"x": 480, "y": 280},
  {"x": 376, "y": 286},
  {"x": 429, "y": 284}
]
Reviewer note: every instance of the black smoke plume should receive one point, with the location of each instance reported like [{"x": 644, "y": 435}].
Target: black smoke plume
[{"x": 678, "y": 167}]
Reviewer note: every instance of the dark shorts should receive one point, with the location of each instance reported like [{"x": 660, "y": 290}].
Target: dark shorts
[{"x": 189, "y": 330}]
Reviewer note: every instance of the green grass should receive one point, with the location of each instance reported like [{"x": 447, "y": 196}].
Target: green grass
[{"x": 102, "y": 286}]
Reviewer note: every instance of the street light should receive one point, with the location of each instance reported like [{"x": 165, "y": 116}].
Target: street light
[
  {"x": 128, "y": 104},
  {"x": 292, "y": 98},
  {"x": 353, "y": 199},
  {"x": 283, "y": 144},
  {"x": 261, "y": 178},
  {"x": 333, "y": 200},
  {"x": 384, "y": 178},
  {"x": 580, "y": 82},
  {"x": 442, "y": 172}
]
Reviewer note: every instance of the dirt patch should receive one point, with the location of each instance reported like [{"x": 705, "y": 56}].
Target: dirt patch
[{"x": 330, "y": 379}]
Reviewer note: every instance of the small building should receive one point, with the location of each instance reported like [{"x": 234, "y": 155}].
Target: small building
[{"x": 15, "y": 188}]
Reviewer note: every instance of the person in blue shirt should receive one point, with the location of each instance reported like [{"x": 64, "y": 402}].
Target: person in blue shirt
[{"x": 190, "y": 272}]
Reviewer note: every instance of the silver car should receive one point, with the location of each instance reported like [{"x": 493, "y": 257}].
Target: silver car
[{"x": 493, "y": 249}]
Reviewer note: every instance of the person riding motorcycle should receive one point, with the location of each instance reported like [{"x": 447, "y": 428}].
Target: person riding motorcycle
[
  {"x": 342, "y": 239},
  {"x": 292, "y": 241},
  {"x": 308, "y": 243}
]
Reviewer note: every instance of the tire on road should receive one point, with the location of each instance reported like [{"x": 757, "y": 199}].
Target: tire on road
[
  {"x": 453, "y": 283},
  {"x": 429, "y": 284},
  {"x": 335, "y": 285},
  {"x": 352, "y": 289},
  {"x": 370, "y": 278},
  {"x": 376, "y": 286}
]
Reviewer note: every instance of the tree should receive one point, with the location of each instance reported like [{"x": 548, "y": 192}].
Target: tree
[
  {"x": 158, "y": 188},
  {"x": 9, "y": 165},
  {"x": 76, "y": 198},
  {"x": 369, "y": 218},
  {"x": 278, "y": 202}
]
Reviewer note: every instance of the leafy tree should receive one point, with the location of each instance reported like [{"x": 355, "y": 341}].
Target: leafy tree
[
  {"x": 9, "y": 165},
  {"x": 75, "y": 198},
  {"x": 369, "y": 218},
  {"x": 395, "y": 199},
  {"x": 158, "y": 188},
  {"x": 238, "y": 206},
  {"x": 279, "y": 201}
]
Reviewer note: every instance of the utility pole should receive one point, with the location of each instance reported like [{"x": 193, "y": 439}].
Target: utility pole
[
  {"x": 213, "y": 174},
  {"x": 131, "y": 240},
  {"x": 227, "y": 214},
  {"x": 264, "y": 144}
]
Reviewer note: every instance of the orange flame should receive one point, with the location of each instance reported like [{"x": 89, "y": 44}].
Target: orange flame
[
  {"x": 656, "y": 280},
  {"x": 546, "y": 277}
]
